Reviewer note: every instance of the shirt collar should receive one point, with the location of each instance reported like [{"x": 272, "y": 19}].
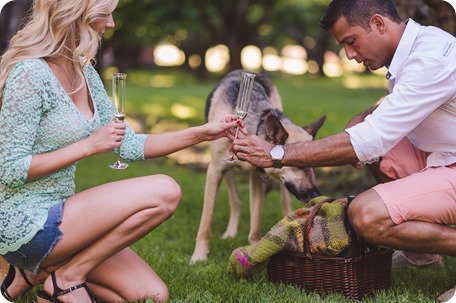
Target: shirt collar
[{"x": 404, "y": 47}]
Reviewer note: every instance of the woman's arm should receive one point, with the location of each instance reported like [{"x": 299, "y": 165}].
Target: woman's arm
[
  {"x": 103, "y": 140},
  {"x": 163, "y": 144}
]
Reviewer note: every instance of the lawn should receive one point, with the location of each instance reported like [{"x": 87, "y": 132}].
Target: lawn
[{"x": 166, "y": 101}]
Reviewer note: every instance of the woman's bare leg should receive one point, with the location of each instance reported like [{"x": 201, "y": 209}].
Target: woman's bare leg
[
  {"x": 100, "y": 222},
  {"x": 126, "y": 276}
]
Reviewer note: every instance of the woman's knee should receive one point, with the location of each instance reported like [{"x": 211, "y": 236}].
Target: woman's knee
[
  {"x": 160, "y": 294},
  {"x": 157, "y": 293},
  {"x": 168, "y": 191}
]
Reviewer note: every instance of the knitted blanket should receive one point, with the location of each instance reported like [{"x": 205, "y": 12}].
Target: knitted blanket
[{"x": 327, "y": 236}]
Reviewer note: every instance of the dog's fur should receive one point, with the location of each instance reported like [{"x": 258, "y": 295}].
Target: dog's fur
[{"x": 266, "y": 119}]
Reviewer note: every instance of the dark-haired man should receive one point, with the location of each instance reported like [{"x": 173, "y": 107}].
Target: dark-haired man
[{"x": 409, "y": 137}]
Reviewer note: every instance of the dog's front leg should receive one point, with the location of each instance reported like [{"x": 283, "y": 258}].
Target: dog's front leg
[
  {"x": 213, "y": 179},
  {"x": 235, "y": 206},
  {"x": 256, "y": 206},
  {"x": 285, "y": 200}
]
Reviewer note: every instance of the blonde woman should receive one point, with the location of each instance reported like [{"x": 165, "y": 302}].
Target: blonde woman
[{"x": 54, "y": 112}]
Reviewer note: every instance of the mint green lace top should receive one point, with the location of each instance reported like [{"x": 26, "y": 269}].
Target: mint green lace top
[{"x": 37, "y": 116}]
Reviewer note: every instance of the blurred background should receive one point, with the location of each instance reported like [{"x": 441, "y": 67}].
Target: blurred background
[{"x": 211, "y": 38}]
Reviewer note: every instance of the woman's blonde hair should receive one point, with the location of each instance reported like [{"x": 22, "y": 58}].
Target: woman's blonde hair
[{"x": 56, "y": 28}]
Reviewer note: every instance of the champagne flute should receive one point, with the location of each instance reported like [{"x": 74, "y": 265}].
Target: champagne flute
[
  {"x": 118, "y": 109},
  {"x": 242, "y": 104}
]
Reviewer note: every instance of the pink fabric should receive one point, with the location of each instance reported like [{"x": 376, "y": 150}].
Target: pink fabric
[
  {"x": 428, "y": 195},
  {"x": 403, "y": 160}
]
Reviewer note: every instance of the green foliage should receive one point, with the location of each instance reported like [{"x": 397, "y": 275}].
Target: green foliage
[
  {"x": 168, "y": 249},
  {"x": 195, "y": 26}
]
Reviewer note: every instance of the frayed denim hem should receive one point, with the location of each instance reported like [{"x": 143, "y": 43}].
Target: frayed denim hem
[
  {"x": 37, "y": 268},
  {"x": 30, "y": 256}
]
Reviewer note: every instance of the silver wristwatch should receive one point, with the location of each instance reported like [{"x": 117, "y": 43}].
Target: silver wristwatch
[{"x": 277, "y": 154}]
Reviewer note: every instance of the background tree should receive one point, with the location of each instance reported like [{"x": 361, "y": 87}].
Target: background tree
[
  {"x": 12, "y": 18},
  {"x": 297, "y": 22},
  {"x": 429, "y": 12},
  {"x": 196, "y": 25}
]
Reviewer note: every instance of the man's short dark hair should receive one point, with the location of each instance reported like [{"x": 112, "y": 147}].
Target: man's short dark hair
[{"x": 358, "y": 12}]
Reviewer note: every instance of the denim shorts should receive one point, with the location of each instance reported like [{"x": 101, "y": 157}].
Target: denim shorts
[{"x": 30, "y": 255}]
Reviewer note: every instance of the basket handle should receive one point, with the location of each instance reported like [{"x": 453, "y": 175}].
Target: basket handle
[{"x": 309, "y": 221}]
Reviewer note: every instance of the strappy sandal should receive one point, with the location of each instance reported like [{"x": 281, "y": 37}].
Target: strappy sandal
[
  {"x": 60, "y": 292},
  {"x": 9, "y": 280}
]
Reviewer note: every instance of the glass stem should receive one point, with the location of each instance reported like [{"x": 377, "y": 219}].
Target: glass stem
[
  {"x": 237, "y": 132},
  {"x": 118, "y": 154}
]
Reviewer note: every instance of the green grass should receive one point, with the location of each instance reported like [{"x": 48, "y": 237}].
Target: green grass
[{"x": 168, "y": 249}]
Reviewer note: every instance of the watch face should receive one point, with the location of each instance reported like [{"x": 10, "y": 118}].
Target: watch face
[{"x": 277, "y": 152}]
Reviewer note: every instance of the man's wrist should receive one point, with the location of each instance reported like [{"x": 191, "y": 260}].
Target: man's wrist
[{"x": 277, "y": 153}]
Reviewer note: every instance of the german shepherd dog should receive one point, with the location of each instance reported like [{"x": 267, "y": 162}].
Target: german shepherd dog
[{"x": 266, "y": 119}]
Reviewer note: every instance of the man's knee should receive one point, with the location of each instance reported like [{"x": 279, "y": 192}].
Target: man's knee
[{"x": 369, "y": 217}]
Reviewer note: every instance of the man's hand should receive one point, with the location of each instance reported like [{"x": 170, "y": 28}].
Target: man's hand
[{"x": 254, "y": 150}]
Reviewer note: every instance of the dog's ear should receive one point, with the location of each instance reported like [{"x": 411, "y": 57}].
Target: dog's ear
[
  {"x": 275, "y": 132},
  {"x": 313, "y": 127}
]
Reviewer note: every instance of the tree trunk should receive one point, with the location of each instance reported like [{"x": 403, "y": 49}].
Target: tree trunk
[{"x": 317, "y": 53}]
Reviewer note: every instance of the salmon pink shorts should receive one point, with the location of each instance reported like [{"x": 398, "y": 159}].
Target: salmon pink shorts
[{"x": 417, "y": 194}]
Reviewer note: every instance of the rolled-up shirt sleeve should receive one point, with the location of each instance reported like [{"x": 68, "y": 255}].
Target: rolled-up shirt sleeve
[
  {"x": 421, "y": 88},
  {"x": 364, "y": 141}
]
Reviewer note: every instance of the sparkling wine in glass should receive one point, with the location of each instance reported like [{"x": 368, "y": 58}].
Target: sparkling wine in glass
[
  {"x": 242, "y": 103},
  {"x": 118, "y": 108}
]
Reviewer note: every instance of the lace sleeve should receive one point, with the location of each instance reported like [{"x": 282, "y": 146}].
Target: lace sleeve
[{"x": 20, "y": 114}]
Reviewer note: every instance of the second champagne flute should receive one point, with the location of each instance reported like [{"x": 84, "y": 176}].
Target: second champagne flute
[
  {"x": 118, "y": 108},
  {"x": 242, "y": 103}
]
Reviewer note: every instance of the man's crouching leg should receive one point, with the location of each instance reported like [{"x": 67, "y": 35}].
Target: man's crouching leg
[
  {"x": 370, "y": 218},
  {"x": 401, "y": 161}
]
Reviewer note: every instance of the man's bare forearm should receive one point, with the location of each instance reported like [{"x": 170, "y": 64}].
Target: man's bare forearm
[{"x": 330, "y": 151}]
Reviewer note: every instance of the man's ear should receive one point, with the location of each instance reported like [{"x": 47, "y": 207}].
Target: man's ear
[{"x": 378, "y": 23}]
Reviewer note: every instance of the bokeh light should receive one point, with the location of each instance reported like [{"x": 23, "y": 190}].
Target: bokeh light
[{"x": 168, "y": 55}]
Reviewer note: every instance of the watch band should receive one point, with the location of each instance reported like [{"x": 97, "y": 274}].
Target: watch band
[{"x": 277, "y": 163}]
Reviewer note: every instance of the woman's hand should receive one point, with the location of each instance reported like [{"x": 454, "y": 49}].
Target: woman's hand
[
  {"x": 106, "y": 138},
  {"x": 225, "y": 127}
]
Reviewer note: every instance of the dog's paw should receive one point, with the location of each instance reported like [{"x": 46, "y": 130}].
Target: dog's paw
[
  {"x": 229, "y": 234},
  {"x": 199, "y": 256}
]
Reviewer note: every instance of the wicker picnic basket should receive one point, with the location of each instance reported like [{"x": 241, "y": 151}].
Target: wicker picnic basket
[{"x": 357, "y": 273}]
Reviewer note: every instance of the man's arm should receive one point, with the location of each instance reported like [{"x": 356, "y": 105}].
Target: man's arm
[
  {"x": 330, "y": 151},
  {"x": 360, "y": 117}
]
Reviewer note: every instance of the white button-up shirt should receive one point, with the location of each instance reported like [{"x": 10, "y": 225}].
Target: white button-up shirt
[{"x": 422, "y": 99}]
